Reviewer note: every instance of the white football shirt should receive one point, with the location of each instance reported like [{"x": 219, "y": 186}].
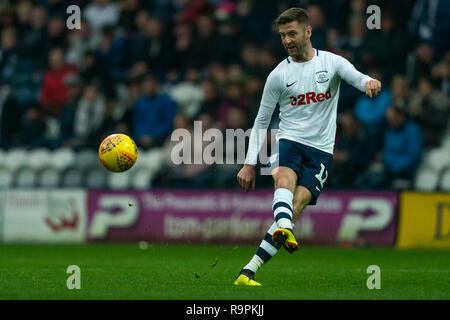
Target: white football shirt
[{"x": 308, "y": 94}]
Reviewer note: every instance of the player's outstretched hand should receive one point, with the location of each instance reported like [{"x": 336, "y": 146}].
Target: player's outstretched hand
[
  {"x": 372, "y": 88},
  {"x": 246, "y": 177}
]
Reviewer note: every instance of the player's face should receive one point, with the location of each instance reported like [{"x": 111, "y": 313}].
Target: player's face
[{"x": 294, "y": 38}]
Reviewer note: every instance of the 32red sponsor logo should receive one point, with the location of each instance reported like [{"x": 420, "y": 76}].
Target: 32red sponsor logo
[{"x": 310, "y": 97}]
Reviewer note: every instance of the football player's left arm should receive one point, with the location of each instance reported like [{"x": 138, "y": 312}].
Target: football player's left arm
[{"x": 364, "y": 83}]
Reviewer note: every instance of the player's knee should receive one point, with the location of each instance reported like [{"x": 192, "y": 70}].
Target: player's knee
[
  {"x": 283, "y": 182},
  {"x": 285, "y": 179}
]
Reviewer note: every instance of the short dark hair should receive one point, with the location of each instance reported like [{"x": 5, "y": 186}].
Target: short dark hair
[{"x": 293, "y": 14}]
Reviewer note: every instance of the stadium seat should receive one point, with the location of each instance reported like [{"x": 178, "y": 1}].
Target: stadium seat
[
  {"x": 73, "y": 178},
  {"x": 62, "y": 158},
  {"x": 6, "y": 178},
  {"x": 26, "y": 178},
  {"x": 141, "y": 179},
  {"x": 96, "y": 178},
  {"x": 38, "y": 158},
  {"x": 16, "y": 158},
  {"x": 427, "y": 179},
  {"x": 152, "y": 159},
  {"x": 49, "y": 178},
  {"x": 445, "y": 181},
  {"x": 87, "y": 159},
  {"x": 119, "y": 180},
  {"x": 437, "y": 158}
]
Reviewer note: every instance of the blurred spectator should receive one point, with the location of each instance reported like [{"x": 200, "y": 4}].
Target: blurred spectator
[
  {"x": 403, "y": 144},
  {"x": 419, "y": 62},
  {"x": 225, "y": 176},
  {"x": 206, "y": 42},
  {"x": 101, "y": 13},
  {"x": 53, "y": 92},
  {"x": 400, "y": 90},
  {"x": 33, "y": 37},
  {"x": 441, "y": 74},
  {"x": 67, "y": 119},
  {"x": 353, "y": 152},
  {"x": 79, "y": 43},
  {"x": 129, "y": 11},
  {"x": 182, "y": 47},
  {"x": 152, "y": 44},
  {"x": 10, "y": 118},
  {"x": 56, "y": 35},
  {"x": 234, "y": 98},
  {"x": 388, "y": 59},
  {"x": 94, "y": 71},
  {"x": 187, "y": 174},
  {"x": 429, "y": 22},
  {"x": 89, "y": 117},
  {"x": 430, "y": 109},
  {"x": 112, "y": 53},
  {"x": 317, "y": 21},
  {"x": 188, "y": 94},
  {"x": 9, "y": 56},
  {"x": 122, "y": 114},
  {"x": 211, "y": 99},
  {"x": 33, "y": 128},
  {"x": 153, "y": 115},
  {"x": 371, "y": 111}
]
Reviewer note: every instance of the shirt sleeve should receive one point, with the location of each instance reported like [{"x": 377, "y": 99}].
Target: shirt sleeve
[
  {"x": 350, "y": 75},
  {"x": 270, "y": 98}
]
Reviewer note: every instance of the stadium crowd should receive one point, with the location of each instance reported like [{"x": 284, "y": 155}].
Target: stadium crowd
[{"x": 145, "y": 68}]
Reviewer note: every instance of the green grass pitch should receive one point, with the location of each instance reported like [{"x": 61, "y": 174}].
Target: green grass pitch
[{"x": 166, "y": 272}]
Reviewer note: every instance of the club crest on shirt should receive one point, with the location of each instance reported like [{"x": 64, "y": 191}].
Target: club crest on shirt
[{"x": 321, "y": 76}]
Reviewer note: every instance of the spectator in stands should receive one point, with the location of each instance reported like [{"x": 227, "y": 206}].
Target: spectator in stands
[
  {"x": 188, "y": 94},
  {"x": 89, "y": 118},
  {"x": 211, "y": 98},
  {"x": 56, "y": 33},
  {"x": 100, "y": 14},
  {"x": 33, "y": 128},
  {"x": 430, "y": 109},
  {"x": 317, "y": 20},
  {"x": 353, "y": 151},
  {"x": 441, "y": 74},
  {"x": 34, "y": 36},
  {"x": 429, "y": 23},
  {"x": 152, "y": 45},
  {"x": 92, "y": 70},
  {"x": 112, "y": 53},
  {"x": 67, "y": 119},
  {"x": 187, "y": 174},
  {"x": 206, "y": 42},
  {"x": 10, "y": 118},
  {"x": 225, "y": 176},
  {"x": 400, "y": 90},
  {"x": 182, "y": 47},
  {"x": 371, "y": 112},
  {"x": 53, "y": 92},
  {"x": 153, "y": 114},
  {"x": 403, "y": 144},
  {"x": 388, "y": 59}
]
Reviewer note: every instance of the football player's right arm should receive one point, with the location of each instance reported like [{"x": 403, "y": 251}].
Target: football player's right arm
[{"x": 269, "y": 100}]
